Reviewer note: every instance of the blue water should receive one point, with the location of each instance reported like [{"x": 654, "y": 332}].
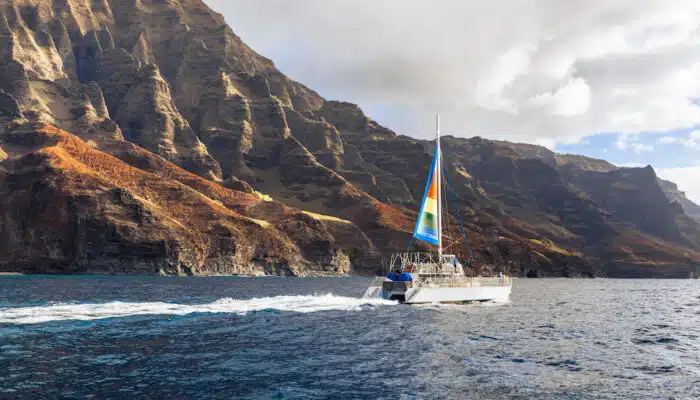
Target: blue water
[{"x": 277, "y": 338}]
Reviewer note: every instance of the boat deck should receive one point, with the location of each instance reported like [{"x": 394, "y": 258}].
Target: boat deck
[{"x": 437, "y": 281}]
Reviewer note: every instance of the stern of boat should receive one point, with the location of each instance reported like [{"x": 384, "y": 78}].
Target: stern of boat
[{"x": 386, "y": 289}]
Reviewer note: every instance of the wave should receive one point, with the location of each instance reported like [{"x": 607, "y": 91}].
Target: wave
[{"x": 117, "y": 309}]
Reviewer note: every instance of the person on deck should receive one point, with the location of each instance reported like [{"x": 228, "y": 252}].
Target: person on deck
[
  {"x": 394, "y": 275},
  {"x": 398, "y": 276}
]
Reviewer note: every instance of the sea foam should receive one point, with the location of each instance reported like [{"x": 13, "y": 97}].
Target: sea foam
[{"x": 94, "y": 311}]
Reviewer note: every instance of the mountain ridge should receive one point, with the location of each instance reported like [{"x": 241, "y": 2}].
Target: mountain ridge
[{"x": 281, "y": 181}]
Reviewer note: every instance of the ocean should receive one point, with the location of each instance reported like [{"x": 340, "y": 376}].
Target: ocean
[{"x": 315, "y": 338}]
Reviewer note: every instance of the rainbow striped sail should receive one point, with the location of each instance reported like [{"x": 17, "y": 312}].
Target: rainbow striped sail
[{"x": 428, "y": 225}]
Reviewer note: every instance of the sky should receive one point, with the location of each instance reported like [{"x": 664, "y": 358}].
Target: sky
[{"x": 618, "y": 80}]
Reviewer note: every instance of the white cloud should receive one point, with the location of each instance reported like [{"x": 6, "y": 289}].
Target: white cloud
[
  {"x": 642, "y": 148},
  {"x": 622, "y": 142},
  {"x": 627, "y": 141},
  {"x": 574, "y": 98},
  {"x": 689, "y": 142},
  {"x": 513, "y": 69},
  {"x": 687, "y": 179}
]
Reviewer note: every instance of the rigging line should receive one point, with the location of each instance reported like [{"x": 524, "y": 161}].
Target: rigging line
[
  {"x": 461, "y": 224},
  {"x": 447, "y": 218},
  {"x": 447, "y": 235}
]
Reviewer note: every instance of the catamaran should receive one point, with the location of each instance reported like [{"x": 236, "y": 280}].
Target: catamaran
[{"x": 435, "y": 277}]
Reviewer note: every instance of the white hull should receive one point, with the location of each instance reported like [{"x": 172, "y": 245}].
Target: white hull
[{"x": 446, "y": 294}]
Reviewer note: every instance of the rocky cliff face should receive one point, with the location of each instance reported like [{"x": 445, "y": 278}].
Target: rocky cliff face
[
  {"x": 71, "y": 208},
  {"x": 141, "y": 136},
  {"x": 674, "y": 195}
]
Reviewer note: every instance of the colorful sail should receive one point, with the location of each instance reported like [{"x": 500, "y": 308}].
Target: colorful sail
[{"x": 427, "y": 227}]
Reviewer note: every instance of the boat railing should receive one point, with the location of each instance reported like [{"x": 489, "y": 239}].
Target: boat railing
[
  {"x": 494, "y": 281},
  {"x": 434, "y": 269},
  {"x": 400, "y": 260},
  {"x": 463, "y": 282},
  {"x": 425, "y": 263},
  {"x": 445, "y": 282},
  {"x": 421, "y": 257}
]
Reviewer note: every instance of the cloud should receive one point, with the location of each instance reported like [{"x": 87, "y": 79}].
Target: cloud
[
  {"x": 668, "y": 140},
  {"x": 686, "y": 178},
  {"x": 574, "y": 98},
  {"x": 642, "y": 148},
  {"x": 630, "y": 142},
  {"x": 529, "y": 70},
  {"x": 690, "y": 142},
  {"x": 622, "y": 142}
]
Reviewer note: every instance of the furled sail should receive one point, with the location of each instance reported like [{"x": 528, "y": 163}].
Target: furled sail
[{"x": 428, "y": 225}]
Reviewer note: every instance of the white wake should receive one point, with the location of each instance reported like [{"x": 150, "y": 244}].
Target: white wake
[{"x": 88, "y": 312}]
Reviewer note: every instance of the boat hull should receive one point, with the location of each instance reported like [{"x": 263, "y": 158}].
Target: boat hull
[{"x": 444, "y": 294}]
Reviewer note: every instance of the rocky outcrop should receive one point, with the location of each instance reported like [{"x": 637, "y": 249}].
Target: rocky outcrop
[
  {"x": 151, "y": 120},
  {"x": 9, "y": 108},
  {"x": 370, "y": 154},
  {"x": 72, "y": 209},
  {"x": 676, "y": 196},
  {"x": 350, "y": 119},
  {"x": 320, "y": 138},
  {"x": 13, "y": 76},
  {"x": 631, "y": 196},
  {"x": 115, "y": 73},
  {"x": 66, "y": 67}
]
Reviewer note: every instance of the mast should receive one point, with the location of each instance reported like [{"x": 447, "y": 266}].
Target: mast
[{"x": 439, "y": 187}]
